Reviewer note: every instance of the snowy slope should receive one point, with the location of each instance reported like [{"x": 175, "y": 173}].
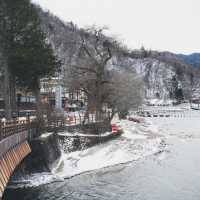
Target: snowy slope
[
  {"x": 156, "y": 75},
  {"x": 157, "y": 69}
]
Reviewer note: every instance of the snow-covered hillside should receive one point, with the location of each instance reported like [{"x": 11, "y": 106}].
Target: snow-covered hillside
[
  {"x": 159, "y": 78},
  {"x": 158, "y": 70}
]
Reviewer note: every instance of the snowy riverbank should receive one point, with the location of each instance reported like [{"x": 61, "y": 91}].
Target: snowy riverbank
[{"x": 138, "y": 141}]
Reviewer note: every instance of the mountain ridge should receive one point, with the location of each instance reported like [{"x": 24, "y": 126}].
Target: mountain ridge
[{"x": 191, "y": 59}]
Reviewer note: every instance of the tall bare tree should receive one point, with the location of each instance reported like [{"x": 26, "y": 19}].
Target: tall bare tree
[
  {"x": 90, "y": 68},
  {"x": 125, "y": 93},
  {"x": 92, "y": 72}
]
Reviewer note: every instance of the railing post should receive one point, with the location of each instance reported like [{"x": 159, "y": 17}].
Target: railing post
[{"x": 28, "y": 127}]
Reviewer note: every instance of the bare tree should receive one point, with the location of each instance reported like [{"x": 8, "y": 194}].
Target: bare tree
[
  {"x": 89, "y": 71},
  {"x": 126, "y": 92},
  {"x": 94, "y": 71}
]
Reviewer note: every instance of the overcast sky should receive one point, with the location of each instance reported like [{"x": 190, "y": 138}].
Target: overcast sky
[{"x": 171, "y": 25}]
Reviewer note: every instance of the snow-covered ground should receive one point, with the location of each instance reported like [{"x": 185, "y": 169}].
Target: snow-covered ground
[
  {"x": 45, "y": 135},
  {"x": 172, "y": 172},
  {"x": 34, "y": 180},
  {"x": 159, "y": 102},
  {"x": 179, "y": 125},
  {"x": 83, "y": 135},
  {"x": 138, "y": 141},
  {"x": 187, "y": 127}
]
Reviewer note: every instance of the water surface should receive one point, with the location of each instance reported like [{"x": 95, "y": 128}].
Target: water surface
[{"x": 171, "y": 173}]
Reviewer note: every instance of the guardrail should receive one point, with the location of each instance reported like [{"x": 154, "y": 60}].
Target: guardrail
[
  {"x": 32, "y": 127},
  {"x": 35, "y": 128},
  {"x": 168, "y": 113},
  {"x": 13, "y": 127},
  {"x": 8, "y": 143},
  {"x": 81, "y": 118}
]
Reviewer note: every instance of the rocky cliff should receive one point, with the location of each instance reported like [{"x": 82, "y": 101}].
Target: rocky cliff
[
  {"x": 44, "y": 156},
  {"x": 162, "y": 80},
  {"x": 164, "y": 73}
]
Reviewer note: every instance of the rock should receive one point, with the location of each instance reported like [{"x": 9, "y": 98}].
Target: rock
[{"x": 44, "y": 156}]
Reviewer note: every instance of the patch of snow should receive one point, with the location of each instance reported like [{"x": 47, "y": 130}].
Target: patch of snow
[
  {"x": 159, "y": 102},
  {"x": 35, "y": 180},
  {"x": 138, "y": 141},
  {"x": 45, "y": 135},
  {"x": 84, "y": 135}
]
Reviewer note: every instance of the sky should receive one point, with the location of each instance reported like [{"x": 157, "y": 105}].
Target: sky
[{"x": 164, "y": 25}]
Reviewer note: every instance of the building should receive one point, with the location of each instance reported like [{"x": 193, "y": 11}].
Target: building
[
  {"x": 195, "y": 104},
  {"x": 57, "y": 96}
]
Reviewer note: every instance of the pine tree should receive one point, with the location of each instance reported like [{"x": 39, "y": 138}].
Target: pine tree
[{"x": 27, "y": 55}]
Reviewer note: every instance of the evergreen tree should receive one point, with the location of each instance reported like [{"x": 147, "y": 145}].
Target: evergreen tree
[
  {"x": 28, "y": 56},
  {"x": 177, "y": 92}
]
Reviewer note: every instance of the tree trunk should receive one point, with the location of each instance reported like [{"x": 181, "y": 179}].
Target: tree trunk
[
  {"x": 99, "y": 88},
  {"x": 98, "y": 112},
  {"x": 112, "y": 114},
  {"x": 13, "y": 93},
  {"x": 39, "y": 110},
  {"x": 38, "y": 104},
  {"x": 86, "y": 116},
  {"x": 7, "y": 88}
]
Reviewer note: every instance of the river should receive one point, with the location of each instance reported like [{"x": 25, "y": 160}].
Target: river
[{"x": 170, "y": 171}]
